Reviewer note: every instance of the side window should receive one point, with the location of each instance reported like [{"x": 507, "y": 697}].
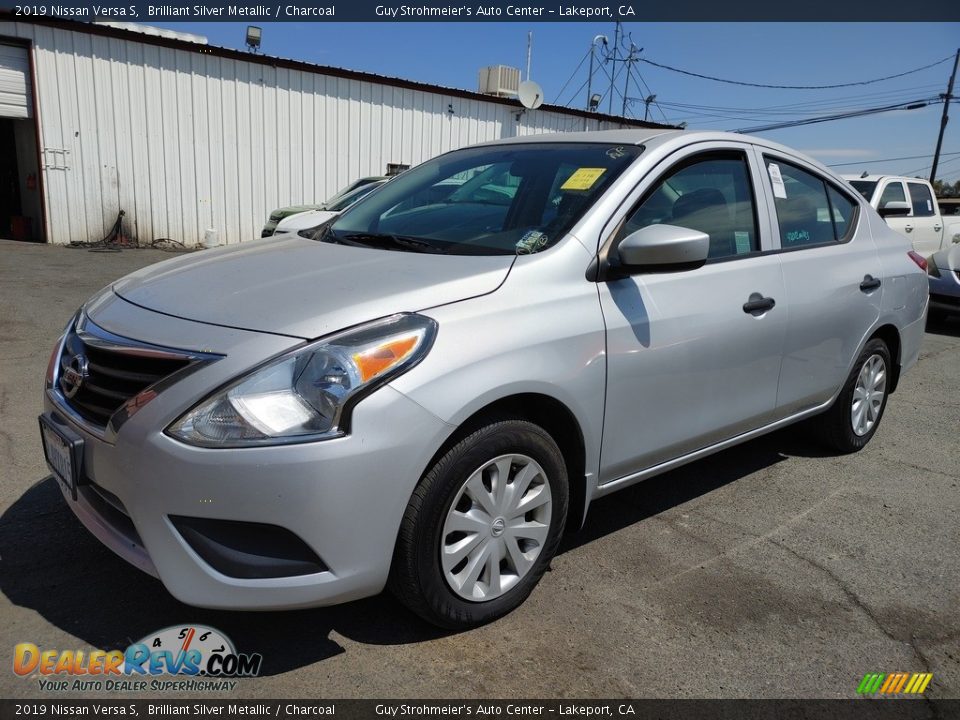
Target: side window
[
  {"x": 921, "y": 200},
  {"x": 893, "y": 192},
  {"x": 843, "y": 210},
  {"x": 809, "y": 211},
  {"x": 711, "y": 194}
]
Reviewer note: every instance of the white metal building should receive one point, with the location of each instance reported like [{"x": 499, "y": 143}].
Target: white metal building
[{"x": 183, "y": 136}]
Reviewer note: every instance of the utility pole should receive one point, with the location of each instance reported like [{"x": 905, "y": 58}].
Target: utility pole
[
  {"x": 631, "y": 59},
  {"x": 613, "y": 69},
  {"x": 646, "y": 110},
  {"x": 593, "y": 52},
  {"x": 529, "y": 52},
  {"x": 944, "y": 118}
]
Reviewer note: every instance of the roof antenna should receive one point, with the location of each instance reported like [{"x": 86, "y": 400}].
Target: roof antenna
[{"x": 865, "y": 173}]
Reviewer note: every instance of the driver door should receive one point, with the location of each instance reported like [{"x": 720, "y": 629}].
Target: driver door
[{"x": 688, "y": 365}]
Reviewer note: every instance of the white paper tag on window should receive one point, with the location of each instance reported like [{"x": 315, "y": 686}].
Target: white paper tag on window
[
  {"x": 776, "y": 180},
  {"x": 929, "y": 205},
  {"x": 742, "y": 240}
]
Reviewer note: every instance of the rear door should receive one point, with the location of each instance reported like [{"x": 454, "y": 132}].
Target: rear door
[
  {"x": 925, "y": 220},
  {"x": 832, "y": 277},
  {"x": 687, "y": 365}
]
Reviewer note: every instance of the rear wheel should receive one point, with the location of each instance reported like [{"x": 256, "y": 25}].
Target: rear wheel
[
  {"x": 855, "y": 416},
  {"x": 482, "y": 526}
]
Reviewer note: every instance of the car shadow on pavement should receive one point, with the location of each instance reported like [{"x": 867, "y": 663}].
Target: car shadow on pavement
[
  {"x": 650, "y": 497},
  {"x": 50, "y": 564},
  {"x": 949, "y": 326}
]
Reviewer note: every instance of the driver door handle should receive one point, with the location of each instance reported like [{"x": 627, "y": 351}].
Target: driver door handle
[
  {"x": 908, "y": 228},
  {"x": 758, "y": 304}
]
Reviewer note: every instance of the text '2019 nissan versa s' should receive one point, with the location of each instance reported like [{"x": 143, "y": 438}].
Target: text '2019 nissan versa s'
[{"x": 424, "y": 392}]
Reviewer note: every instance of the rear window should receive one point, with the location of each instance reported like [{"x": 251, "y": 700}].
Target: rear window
[{"x": 864, "y": 187}]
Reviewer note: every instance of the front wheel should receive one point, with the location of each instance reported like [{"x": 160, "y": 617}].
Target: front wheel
[
  {"x": 855, "y": 416},
  {"x": 482, "y": 526}
]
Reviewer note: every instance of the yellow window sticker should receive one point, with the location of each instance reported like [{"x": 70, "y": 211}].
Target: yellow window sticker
[{"x": 583, "y": 179}]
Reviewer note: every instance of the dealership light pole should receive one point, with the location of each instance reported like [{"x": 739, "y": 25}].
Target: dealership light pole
[{"x": 944, "y": 118}]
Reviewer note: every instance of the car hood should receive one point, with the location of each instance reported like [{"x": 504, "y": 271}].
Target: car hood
[
  {"x": 283, "y": 212},
  {"x": 305, "y": 220},
  {"x": 305, "y": 288}
]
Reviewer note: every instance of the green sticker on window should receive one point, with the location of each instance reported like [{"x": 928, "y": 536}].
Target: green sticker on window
[{"x": 743, "y": 242}]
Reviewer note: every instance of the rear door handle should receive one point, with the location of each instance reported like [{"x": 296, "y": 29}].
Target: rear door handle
[
  {"x": 869, "y": 283},
  {"x": 937, "y": 227},
  {"x": 908, "y": 228},
  {"x": 758, "y": 304}
]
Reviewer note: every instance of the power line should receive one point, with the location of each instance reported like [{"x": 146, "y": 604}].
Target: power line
[
  {"x": 817, "y": 106},
  {"x": 930, "y": 165},
  {"x": 912, "y": 105},
  {"x": 573, "y": 74},
  {"x": 905, "y": 157},
  {"x": 793, "y": 87},
  {"x": 694, "y": 113}
]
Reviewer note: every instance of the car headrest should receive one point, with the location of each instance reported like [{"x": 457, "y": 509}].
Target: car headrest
[{"x": 697, "y": 200}]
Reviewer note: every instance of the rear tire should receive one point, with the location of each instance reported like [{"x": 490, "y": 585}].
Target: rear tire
[
  {"x": 855, "y": 415},
  {"x": 482, "y": 526}
]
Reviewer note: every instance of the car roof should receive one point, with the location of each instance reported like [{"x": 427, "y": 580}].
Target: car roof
[{"x": 654, "y": 137}]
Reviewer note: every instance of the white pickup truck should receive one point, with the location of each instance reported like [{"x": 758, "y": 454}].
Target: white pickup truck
[{"x": 908, "y": 206}]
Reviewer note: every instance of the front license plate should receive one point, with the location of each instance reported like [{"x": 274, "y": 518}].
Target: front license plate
[{"x": 63, "y": 451}]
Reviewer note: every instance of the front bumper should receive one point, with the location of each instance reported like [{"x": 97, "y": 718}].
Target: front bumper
[{"x": 343, "y": 498}]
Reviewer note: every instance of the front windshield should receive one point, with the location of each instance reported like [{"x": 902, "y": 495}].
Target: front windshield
[{"x": 495, "y": 200}]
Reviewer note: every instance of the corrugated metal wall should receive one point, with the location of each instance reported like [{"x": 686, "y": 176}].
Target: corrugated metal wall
[{"x": 185, "y": 140}]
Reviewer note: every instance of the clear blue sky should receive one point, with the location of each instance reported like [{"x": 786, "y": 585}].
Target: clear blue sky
[{"x": 450, "y": 54}]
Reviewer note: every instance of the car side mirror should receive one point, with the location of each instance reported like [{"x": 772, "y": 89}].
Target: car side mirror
[
  {"x": 663, "y": 248},
  {"x": 894, "y": 208}
]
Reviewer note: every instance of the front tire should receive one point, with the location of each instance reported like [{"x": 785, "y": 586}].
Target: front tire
[
  {"x": 853, "y": 419},
  {"x": 482, "y": 526}
]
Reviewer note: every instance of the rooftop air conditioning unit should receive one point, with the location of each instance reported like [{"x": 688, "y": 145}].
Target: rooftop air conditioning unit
[{"x": 500, "y": 80}]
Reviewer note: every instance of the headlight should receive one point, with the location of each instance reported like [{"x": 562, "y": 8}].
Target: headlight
[{"x": 307, "y": 394}]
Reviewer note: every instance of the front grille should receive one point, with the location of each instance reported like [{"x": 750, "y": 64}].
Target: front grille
[{"x": 98, "y": 378}]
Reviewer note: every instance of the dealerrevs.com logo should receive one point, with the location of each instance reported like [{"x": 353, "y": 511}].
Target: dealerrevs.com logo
[{"x": 203, "y": 654}]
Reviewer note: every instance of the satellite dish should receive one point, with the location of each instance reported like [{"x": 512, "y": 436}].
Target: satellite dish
[{"x": 530, "y": 94}]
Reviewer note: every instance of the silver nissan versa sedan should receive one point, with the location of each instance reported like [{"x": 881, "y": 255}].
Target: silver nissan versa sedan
[{"x": 423, "y": 393}]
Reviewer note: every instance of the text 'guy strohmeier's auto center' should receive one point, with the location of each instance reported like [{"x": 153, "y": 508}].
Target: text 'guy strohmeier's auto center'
[{"x": 190, "y": 141}]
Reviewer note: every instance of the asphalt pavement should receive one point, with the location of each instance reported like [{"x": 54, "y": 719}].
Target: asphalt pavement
[{"x": 774, "y": 569}]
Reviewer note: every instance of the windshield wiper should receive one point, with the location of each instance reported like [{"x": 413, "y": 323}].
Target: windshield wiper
[{"x": 384, "y": 240}]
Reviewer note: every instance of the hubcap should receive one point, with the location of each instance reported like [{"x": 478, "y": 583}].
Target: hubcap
[
  {"x": 868, "y": 395},
  {"x": 496, "y": 527}
]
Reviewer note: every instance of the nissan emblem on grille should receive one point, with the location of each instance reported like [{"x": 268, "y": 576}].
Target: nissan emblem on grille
[{"x": 76, "y": 372}]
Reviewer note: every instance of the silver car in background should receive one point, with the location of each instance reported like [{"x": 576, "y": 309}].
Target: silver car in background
[{"x": 425, "y": 393}]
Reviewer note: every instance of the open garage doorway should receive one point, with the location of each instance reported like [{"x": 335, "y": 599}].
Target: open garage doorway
[{"x": 21, "y": 211}]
